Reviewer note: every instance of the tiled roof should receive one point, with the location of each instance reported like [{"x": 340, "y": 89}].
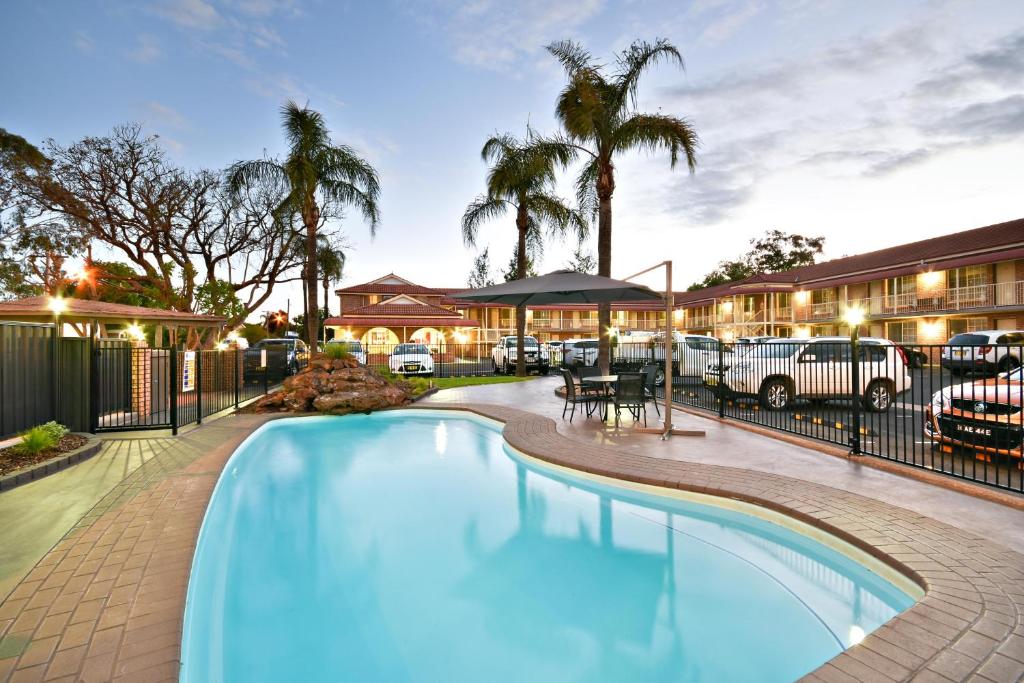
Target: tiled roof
[
  {"x": 87, "y": 308},
  {"x": 380, "y": 288},
  {"x": 366, "y": 321},
  {"x": 404, "y": 310}
]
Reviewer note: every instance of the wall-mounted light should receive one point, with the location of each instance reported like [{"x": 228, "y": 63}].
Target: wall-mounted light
[
  {"x": 135, "y": 332},
  {"x": 801, "y": 296},
  {"x": 853, "y": 316},
  {"x": 931, "y": 278},
  {"x": 57, "y": 305}
]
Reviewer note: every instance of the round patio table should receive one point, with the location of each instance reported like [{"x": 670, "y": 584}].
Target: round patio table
[{"x": 605, "y": 382}]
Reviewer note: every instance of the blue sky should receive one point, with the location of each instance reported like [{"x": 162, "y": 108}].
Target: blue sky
[{"x": 872, "y": 123}]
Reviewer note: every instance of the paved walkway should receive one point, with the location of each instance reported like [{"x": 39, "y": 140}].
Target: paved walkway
[
  {"x": 106, "y": 603},
  {"x": 729, "y": 445}
]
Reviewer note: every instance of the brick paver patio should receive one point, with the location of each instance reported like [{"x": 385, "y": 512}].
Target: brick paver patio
[{"x": 107, "y": 602}]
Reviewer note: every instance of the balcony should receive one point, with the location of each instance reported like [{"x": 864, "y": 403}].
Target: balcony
[{"x": 936, "y": 301}]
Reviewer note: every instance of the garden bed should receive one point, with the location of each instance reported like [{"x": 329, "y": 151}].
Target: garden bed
[{"x": 13, "y": 458}]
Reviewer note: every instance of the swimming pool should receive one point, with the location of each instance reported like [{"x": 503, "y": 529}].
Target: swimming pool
[{"x": 416, "y": 545}]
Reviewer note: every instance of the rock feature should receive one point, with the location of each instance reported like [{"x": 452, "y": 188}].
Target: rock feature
[{"x": 336, "y": 387}]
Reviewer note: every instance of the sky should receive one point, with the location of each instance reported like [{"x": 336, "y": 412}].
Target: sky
[{"x": 870, "y": 123}]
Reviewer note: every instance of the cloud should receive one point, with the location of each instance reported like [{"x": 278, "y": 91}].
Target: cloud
[
  {"x": 166, "y": 115},
  {"x": 84, "y": 43},
  {"x": 147, "y": 49},
  {"x": 496, "y": 34},
  {"x": 722, "y": 19},
  {"x": 986, "y": 121},
  {"x": 197, "y": 14}
]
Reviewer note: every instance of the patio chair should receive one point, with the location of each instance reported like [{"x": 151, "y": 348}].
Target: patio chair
[
  {"x": 572, "y": 396},
  {"x": 650, "y": 371},
  {"x": 586, "y": 371},
  {"x": 630, "y": 394}
]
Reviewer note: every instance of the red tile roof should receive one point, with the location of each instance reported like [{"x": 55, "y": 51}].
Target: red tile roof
[
  {"x": 39, "y": 306},
  {"x": 404, "y": 310},
  {"x": 380, "y": 288},
  {"x": 366, "y": 321}
]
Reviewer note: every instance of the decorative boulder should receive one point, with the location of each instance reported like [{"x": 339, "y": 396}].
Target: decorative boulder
[{"x": 335, "y": 386}]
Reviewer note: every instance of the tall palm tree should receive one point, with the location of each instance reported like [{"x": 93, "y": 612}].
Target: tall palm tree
[
  {"x": 321, "y": 178},
  {"x": 598, "y": 113},
  {"x": 332, "y": 265},
  {"x": 522, "y": 179}
]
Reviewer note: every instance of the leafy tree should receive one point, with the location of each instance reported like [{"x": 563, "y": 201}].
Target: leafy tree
[
  {"x": 777, "y": 251},
  {"x": 178, "y": 230},
  {"x": 480, "y": 276},
  {"x": 321, "y": 178},
  {"x": 522, "y": 179},
  {"x": 582, "y": 261},
  {"x": 598, "y": 114},
  {"x": 114, "y": 282}
]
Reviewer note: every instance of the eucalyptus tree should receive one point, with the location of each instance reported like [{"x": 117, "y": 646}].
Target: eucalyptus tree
[
  {"x": 598, "y": 113},
  {"x": 522, "y": 180},
  {"x": 322, "y": 178}
]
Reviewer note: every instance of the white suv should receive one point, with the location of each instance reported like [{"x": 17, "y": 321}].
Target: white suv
[
  {"x": 503, "y": 355},
  {"x": 779, "y": 371},
  {"x": 987, "y": 350},
  {"x": 579, "y": 352}
]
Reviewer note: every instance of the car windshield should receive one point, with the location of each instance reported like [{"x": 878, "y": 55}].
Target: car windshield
[
  {"x": 774, "y": 350},
  {"x": 349, "y": 346},
  {"x": 411, "y": 348},
  {"x": 527, "y": 341},
  {"x": 968, "y": 340},
  {"x": 702, "y": 344}
]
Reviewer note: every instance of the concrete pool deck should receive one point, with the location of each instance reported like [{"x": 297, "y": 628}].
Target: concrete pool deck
[{"x": 106, "y": 602}]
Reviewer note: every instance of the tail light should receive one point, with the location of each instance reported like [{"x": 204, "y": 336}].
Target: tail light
[
  {"x": 984, "y": 350},
  {"x": 903, "y": 354}
]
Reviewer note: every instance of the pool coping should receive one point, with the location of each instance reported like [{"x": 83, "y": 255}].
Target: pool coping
[{"x": 107, "y": 602}]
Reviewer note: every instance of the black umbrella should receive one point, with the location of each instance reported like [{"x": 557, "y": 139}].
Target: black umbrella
[{"x": 560, "y": 287}]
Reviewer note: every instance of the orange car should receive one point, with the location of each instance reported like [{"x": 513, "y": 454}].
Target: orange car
[{"x": 984, "y": 416}]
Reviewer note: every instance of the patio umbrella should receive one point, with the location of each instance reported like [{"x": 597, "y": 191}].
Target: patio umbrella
[
  {"x": 571, "y": 287},
  {"x": 560, "y": 287}
]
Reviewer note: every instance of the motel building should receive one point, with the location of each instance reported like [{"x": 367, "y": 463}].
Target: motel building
[{"x": 924, "y": 292}]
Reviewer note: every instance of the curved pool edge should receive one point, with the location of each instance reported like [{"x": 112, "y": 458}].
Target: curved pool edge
[{"x": 955, "y": 629}]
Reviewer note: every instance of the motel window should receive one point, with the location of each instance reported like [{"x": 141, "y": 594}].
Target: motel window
[
  {"x": 964, "y": 325},
  {"x": 542, "y": 316},
  {"x": 748, "y": 304},
  {"x": 783, "y": 300},
  {"x": 904, "y": 332},
  {"x": 906, "y": 284},
  {"x": 823, "y": 296},
  {"x": 968, "y": 276}
]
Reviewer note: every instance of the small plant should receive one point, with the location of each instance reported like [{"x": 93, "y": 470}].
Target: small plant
[
  {"x": 37, "y": 440},
  {"x": 336, "y": 352},
  {"x": 56, "y": 430}
]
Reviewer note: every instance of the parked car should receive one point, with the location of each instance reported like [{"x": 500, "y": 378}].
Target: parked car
[
  {"x": 780, "y": 371},
  {"x": 352, "y": 347},
  {"x": 503, "y": 355},
  {"x": 577, "y": 352},
  {"x": 985, "y": 416},
  {"x": 915, "y": 358},
  {"x": 750, "y": 341},
  {"x": 985, "y": 351},
  {"x": 297, "y": 351},
  {"x": 411, "y": 359}
]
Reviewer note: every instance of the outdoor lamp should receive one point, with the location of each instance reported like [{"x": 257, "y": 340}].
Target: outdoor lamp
[
  {"x": 135, "y": 332},
  {"x": 57, "y": 305},
  {"x": 854, "y": 317}
]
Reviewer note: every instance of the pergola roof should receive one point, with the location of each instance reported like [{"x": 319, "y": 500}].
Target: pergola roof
[{"x": 37, "y": 309}]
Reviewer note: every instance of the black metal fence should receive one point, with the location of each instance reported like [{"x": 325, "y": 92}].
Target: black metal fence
[
  {"x": 452, "y": 359},
  {"x": 951, "y": 409},
  {"x": 142, "y": 388}
]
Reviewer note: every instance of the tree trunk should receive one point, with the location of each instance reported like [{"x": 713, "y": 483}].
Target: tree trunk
[
  {"x": 327, "y": 306},
  {"x": 605, "y": 188},
  {"x": 521, "y": 224},
  {"x": 311, "y": 217}
]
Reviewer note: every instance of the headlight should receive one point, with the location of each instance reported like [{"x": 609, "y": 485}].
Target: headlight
[{"x": 939, "y": 400}]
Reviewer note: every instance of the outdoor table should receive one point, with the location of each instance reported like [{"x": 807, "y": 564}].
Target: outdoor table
[{"x": 606, "y": 382}]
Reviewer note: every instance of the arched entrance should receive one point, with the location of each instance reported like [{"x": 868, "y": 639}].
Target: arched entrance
[
  {"x": 430, "y": 336},
  {"x": 380, "y": 341}
]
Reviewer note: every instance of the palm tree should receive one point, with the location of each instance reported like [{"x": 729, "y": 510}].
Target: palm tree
[
  {"x": 598, "y": 114},
  {"x": 522, "y": 178},
  {"x": 332, "y": 265},
  {"x": 321, "y": 178}
]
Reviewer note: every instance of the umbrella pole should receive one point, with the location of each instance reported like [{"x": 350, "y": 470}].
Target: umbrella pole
[{"x": 667, "y": 432}]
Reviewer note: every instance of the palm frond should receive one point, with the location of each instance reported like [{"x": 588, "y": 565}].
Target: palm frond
[
  {"x": 636, "y": 59},
  {"x": 346, "y": 178},
  {"x": 571, "y": 56},
  {"x": 246, "y": 173},
  {"x": 552, "y": 211},
  {"x": 653, "y": 132},
  {"x": 499, "y": 145},
  {"x": 348, "y": 194},
  {"x": 586, "y": 188},
  {"x": 482, "y": 209}
]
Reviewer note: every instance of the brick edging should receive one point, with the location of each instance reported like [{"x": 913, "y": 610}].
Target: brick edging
[
  {"x": 51, "y": 466},
  {"x": 967, "y": 624}
]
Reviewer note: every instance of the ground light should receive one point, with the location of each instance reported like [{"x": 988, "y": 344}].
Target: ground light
[{"x": 854, "y": 318}]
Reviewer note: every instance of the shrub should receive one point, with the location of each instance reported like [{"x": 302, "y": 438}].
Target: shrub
[
  {"x": 55, "y": 429},
  {"x": 336, "y": 352},
  {"x": 36, "y": 440}
]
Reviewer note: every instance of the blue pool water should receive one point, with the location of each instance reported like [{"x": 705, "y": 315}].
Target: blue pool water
[{"x": 412, "y": 545}]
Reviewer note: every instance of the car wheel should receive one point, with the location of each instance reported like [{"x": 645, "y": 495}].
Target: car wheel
[
  {"x": 775, "y": 395},
  {"x": 1008, "y": 363},
  {"x": 878, "y": 397}
]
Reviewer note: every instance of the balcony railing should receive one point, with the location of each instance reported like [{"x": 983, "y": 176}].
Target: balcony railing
[{"x": 976, "y": 297}]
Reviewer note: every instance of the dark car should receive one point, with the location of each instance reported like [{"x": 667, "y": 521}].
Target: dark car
[{"x": 294, "y": 349}]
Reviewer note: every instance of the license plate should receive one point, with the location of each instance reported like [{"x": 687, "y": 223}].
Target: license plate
[
  {"x": 970, "y": 429},
  {"x": 412, "y": 367},
  {"x": 957, "y": 352}
]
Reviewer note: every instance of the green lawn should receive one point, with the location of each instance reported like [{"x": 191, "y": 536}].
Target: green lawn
[{"x": 452, "y": 382}]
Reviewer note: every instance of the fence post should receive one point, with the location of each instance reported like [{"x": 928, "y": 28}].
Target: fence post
[
  {"x": 174, "y": 390},
  {"x": 94, "y": 408},
  {"x": 855, "y": 380},
  {"x": 199, "y": 386},
  {"x": 721, "y": 379},
  {"x": 266, "y": 370},
  {"x": 236, "y": 376}
]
